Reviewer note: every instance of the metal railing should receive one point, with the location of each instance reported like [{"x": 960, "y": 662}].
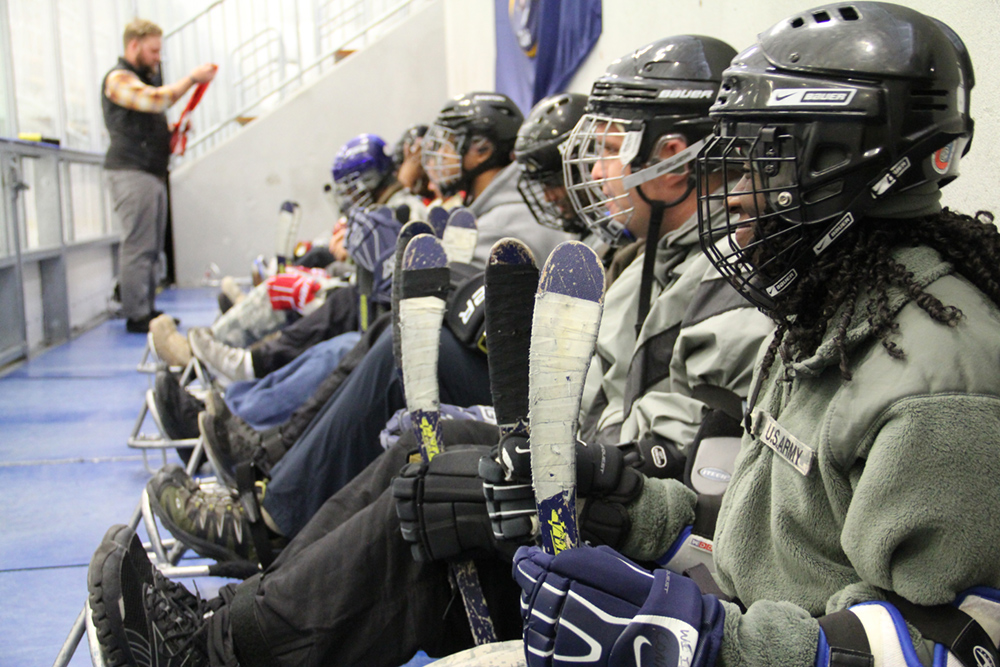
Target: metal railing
[{"x": 265, "y": 51}]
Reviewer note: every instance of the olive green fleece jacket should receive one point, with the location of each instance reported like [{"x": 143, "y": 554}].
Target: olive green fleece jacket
[{"x": 901, "y": 493}]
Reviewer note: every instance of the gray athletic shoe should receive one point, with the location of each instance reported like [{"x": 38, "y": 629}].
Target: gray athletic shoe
[{"x": 231, "y": 363}]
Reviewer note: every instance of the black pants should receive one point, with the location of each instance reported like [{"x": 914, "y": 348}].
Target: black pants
[
  {"x": 337, "y": 315},
  {"x": 343, "y": 438},
  {"x": 346, "y": 591}
]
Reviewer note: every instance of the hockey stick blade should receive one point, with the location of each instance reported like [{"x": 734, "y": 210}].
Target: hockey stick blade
[
  {"x": 511, "y": 283},
  {"x": 460, "y": 236},
  {"x": 408, "y": 231},
  {"x": 501, "y": 654},
  {"x": 423, "y": 288},
  {"x": 437, "y": 218},
  {"x": 564, "y": 328}
]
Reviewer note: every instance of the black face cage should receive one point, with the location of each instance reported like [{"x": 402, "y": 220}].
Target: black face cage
[
  {"x": 551, "y": 214},
  {"x": 767, "y": 200}
]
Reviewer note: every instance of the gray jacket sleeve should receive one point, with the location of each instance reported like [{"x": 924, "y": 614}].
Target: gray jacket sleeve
[{"x": 715, "y": 344}]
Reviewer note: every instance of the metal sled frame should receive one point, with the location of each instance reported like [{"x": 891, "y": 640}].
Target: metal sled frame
[{"x": 149, "y": 364}]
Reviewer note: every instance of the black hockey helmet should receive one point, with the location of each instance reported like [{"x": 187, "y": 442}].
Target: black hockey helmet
[
  {"x": 661, "y": 90},
  {"x": 537, "y": 151},
  {"x": 410, "y": 135},
  {"x": 832, "y": 113},
  {"x": 462, "y": 123}
]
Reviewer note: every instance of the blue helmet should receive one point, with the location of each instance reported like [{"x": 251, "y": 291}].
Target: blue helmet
[
  {"x": 361, "y": 167},
  {"x": 371, "y": 242}
]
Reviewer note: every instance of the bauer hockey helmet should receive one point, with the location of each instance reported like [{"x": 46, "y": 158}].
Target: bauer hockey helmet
[
  {"x": 360, "y": 168},
  {"x": 659, "y": 92},
  {"x": 833, "y": 112},
  {"x": 537, "y": 151},
  {"x": 466, "y": 123}
]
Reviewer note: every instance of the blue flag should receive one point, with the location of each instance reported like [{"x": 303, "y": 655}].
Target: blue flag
[{"x": 541, "y": 44}]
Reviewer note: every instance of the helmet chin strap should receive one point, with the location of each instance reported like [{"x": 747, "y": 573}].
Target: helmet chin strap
[{"x": 657, "y": 209}]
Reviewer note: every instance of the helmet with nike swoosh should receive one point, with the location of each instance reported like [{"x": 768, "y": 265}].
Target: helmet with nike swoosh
[{"x": 830, "y": 114}]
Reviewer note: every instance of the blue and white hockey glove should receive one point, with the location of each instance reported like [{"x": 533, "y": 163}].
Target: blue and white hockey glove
[
  {"x": 964, "y": 633},
  {"x": 592, "y": 606}
]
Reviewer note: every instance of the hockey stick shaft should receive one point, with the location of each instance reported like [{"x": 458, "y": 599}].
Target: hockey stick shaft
[{"x": 421, "y": 312}]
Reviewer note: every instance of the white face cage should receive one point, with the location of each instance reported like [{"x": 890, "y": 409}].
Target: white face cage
[
  {"x": 595, "y": 158},
  {"x": 351, "y": 191},
  {"x": 596, "y": 166},
  {"x": 440, "y": 156}
]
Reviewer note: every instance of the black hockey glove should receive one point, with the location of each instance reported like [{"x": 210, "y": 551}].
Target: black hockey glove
[
  {"x": 605, "y": 482},
  {"x": 441, "y": 508}
]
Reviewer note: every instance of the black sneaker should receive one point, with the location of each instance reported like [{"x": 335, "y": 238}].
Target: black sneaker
[
  {"x": 177, "y": 408},
  {"x": 178, "y": 411},
  {"x": 138, "y": 324},
  {"x": 236, "y": 440},
  {"x": 212, "y": 522},
  {"x": 141, "y": 617},
  {"x": 225, "y": 454}
]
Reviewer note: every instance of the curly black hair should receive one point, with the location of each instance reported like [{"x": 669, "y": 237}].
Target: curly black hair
[{"x": 826, "y": 297}]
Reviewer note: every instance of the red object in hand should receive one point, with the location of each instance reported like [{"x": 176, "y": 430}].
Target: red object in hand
[
  {"x": 291, "y": 291},
  {"x": 178, "y": 140}
]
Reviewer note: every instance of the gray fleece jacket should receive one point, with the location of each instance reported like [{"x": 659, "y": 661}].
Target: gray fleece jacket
[
  {"x": 500, "y": 212},
  {"x": 888, "y": 481}
]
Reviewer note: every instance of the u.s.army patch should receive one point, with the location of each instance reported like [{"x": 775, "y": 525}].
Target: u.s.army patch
[{"x": 784, "y": 444}]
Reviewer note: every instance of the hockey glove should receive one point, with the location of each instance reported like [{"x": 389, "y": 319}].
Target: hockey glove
[
  {"x": 603, "y": 478},
  {"x": 441, "y": 508},
  {"x": 590, "y": 606},
  {"x": 291, "y": 291},
  {"x": 878, "y": 632}
]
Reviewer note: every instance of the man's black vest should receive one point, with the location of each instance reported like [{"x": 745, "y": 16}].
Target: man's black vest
[{"x": 138, "y": 140}]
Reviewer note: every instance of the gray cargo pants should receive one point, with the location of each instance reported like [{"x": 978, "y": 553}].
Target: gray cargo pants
[{"x": 140, "y": 202}]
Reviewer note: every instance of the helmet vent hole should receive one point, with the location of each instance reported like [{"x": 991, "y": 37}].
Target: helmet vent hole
[
  {"x": 827, "y": 159},
  {"x": 849, "y": 14},
  {"x": 929, "y": 100},
  {"x": 798, "y": 22},
  {"x": 825, "y": 192},
  {"x": 821, "y": 17}
]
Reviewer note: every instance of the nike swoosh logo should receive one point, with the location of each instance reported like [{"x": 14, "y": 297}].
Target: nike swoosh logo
[
  {"x": 785, "y": 96},
  {"x": 637, "y": 645},
  {"x": 522, "y": 450}
]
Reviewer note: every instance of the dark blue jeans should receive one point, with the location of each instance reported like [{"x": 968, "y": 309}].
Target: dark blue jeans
[
  {"x": 343, "y": 438},
  {"x": 272, "y": 399}
]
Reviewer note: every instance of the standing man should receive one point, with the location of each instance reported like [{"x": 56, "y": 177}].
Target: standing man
[{"x": 135, "y": 101}]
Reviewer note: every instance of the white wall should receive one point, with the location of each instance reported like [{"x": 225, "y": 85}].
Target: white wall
[
  {"x": 225, "y": 205},
  {"x": 629, "y": 24}
]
